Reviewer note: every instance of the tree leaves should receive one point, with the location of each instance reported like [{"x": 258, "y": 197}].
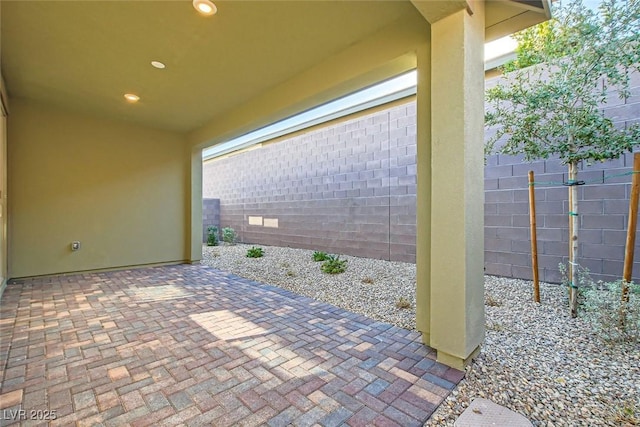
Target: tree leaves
[{"x": 574, "y": 62}]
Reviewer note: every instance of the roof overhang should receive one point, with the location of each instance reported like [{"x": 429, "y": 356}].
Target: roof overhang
[{"x": 502, "y": 17}]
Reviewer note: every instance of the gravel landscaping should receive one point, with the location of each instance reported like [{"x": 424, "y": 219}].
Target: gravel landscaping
[{"x": 536, "y": 360}]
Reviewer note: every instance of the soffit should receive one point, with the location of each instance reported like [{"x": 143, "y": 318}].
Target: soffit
[
  {"x": 502, "y": 17},
  {"x": 84, "y": 55}
]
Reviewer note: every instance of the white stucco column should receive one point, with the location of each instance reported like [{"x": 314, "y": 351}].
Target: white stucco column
[{"x": 456, "y": 318}]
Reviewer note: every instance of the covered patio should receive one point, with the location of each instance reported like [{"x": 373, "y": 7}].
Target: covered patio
[{"x": 81, "y": 163}]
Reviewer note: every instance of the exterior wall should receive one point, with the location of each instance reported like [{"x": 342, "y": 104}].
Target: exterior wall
[
  {"x": 210, "y": 216},
  {"x": 357, "y": 196},
  {"x": 3, "y": 186},
  {"x": 603, "y": 208},
  {"x": 349, "y": 187},
  {"x": 120, "y": 189}
]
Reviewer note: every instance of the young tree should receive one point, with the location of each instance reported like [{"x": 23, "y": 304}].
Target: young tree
[{"x": 554, "y": 107}]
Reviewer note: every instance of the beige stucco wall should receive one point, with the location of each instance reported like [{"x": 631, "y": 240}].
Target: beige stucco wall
[
  {"x": 3, "y": 186},
  {"x": 120, "y": 189}
]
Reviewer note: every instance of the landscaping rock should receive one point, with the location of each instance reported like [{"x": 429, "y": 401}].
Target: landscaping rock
[{"x": 536, "y": 360}]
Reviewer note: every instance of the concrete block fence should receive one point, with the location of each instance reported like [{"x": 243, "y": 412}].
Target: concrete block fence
[
  {"x": 603, "y": 210},
  {"x": 210, "y": 215},
  {"x": 350, "y": 187},
  {"x": 347, "y": 188}
]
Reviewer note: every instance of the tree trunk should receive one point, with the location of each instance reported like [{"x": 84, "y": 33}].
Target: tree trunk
[{"x": 573, "y": 238}]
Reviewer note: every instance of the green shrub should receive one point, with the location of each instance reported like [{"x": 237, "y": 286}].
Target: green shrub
[
  {"x": 612, "y": 320},
  {"x": 229, "y": 235},
  {"x": 212, "y": 236},
  {"x": 584, "y": 277},
  {"x": 320, "y": 256},
  {"x": 601, "y": 305},
  {"x": 334, "y": 265},
  {"x": 255, "y": 252}
]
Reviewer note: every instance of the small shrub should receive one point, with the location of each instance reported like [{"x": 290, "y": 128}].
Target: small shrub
[
  {"x": 367, "y": 280},
  {"x": 403, "y": 303},
  {"x": 229, "y": 235},
  {"x": 291, "y": 273},
  {"x": 604, "y": 310},
  {"x": 495, "y": 326},
  {"x": 628, "y": 414},
  {"x": 255, "y": 252},
  {"x": 334, "y": 265},
  {"x": 584, "y": 281},
  {"x": 491, "y": 301},
  {"x": 212, "y": 236},
  {"x": 320, "y": 256},
  {"x": 584, "y": 277}
]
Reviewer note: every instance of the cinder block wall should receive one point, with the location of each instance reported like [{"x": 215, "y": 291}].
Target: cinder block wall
[
  {"x": 210, "y": 216},
  {"x": 349, "y": 187},
  {"x": 603, "y": 208}
]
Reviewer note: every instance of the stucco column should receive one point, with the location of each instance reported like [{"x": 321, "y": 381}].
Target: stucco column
[
  {"x": 456, "y": 327},
  {"x": 423, "y": 203},
  {"x": 194, "y": 244}
]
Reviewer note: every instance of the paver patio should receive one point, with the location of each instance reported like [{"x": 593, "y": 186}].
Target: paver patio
[{"x": 190, "y": 345}]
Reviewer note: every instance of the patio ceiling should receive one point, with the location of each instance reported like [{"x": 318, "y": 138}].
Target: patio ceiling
[{"x": 85, "y": 55}]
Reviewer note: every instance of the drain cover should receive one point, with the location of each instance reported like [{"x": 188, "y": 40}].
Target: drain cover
[{"x": 485, "y": 413}]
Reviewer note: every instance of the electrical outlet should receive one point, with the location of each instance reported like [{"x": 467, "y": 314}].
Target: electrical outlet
[{"x": 75, "y": 245}]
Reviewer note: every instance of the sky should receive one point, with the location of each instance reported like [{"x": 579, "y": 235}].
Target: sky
[{"x": 507, "y": 44}]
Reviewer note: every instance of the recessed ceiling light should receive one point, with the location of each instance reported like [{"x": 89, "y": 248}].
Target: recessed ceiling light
[
  {"x": 131, "y": 97},
  {"x": 205, "y": 7},
  {"x": 157, "y": 64}
]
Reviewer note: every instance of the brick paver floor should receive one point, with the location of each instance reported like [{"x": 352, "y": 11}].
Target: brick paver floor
[{"x": 190, "y": 345}]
